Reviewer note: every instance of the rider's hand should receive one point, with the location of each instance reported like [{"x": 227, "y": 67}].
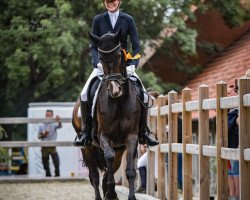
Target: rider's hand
[
  {"x": 130, "y": 70},
  {"x": 99, "y": 66}
]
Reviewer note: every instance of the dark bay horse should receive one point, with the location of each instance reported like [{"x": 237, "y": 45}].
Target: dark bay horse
[{"x": 117, "y": 117}]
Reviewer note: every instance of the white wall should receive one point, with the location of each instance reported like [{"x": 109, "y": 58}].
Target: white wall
[{"x": 70, "y": 157}]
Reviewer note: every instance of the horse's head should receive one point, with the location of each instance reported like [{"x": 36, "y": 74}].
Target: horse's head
[{"x": 111, "y": 56}]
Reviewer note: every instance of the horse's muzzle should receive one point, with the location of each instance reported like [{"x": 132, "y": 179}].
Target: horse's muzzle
[{"x": 115, "y": 89}]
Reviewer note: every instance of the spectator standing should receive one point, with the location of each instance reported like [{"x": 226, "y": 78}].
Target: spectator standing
[
  {"x": 142, "y": 167},
  {"x": 179, "y": 155},
  {"x": 48, "y": 132},
  {"x": 233, "y": 142}
]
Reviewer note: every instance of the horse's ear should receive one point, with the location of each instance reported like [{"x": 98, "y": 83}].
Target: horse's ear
[
  {"x": 94, "y": 38},
  {"x": 118, "y": 35}
]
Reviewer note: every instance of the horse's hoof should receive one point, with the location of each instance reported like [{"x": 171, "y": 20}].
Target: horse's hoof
[
  {"x": 111, "y": 199},
  {"x": 106, "y": 198},
  {"x": 132, "y": 198}
]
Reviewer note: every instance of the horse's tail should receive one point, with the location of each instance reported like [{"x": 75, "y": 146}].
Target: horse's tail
[
  {"x": 76, "y": 121},
  {"x": 93, "y": 157},
  {"x": 99, "y": 158}
]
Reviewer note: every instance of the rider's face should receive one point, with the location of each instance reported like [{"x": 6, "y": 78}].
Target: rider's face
[{"x": 111, "y": 5}]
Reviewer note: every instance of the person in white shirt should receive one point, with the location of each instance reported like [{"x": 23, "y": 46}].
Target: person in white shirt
[{"x": 48, "y": 132}]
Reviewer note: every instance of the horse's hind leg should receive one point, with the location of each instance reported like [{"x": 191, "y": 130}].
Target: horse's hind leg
[
  {"x": 109, "y": 155},
  {"x": 130, "y": 168},
  {"x": 93, "y": 171},
  {"x": 94, "y": 180}
]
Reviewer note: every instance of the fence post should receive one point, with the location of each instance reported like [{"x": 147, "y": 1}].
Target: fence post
[
  {"x": 244, "y": 138},
  {"x": 172, "y": 157},
  {"x": 186, "y": 139},
  {"x": 203, "y": 140},
  {"x": 161, "y": 131},
  {"x": 151, "y": 158},
  {"x": 221, "y": 141}
]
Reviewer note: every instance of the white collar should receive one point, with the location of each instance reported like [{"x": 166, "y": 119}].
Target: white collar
[{"x": 114, "y": 14}]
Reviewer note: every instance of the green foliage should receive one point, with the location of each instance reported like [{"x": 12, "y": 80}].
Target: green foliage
[
  {"x": 4, "y": 155},
  {"x": 2, "y": 133},
  {"x": 232, "y": 11},
  {"x": 185, "y": 38},
  {"x": 209, "y": 48},
  {"x": 42, "y": 63},
  {"x": 148, "y": 16},
  {"x": 155, "y": 83}
]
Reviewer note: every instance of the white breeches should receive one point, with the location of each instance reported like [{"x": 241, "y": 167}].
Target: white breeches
[
  {"x": 84, "y": 94},
  {"x": 97, "y": 72},
  {"x": 143, "y": 160}
]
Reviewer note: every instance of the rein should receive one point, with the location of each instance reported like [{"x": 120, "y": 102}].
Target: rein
[{"x": 145, "y": 105}]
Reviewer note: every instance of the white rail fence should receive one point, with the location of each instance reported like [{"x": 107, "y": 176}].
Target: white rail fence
[{"x": 25, "y": 120}]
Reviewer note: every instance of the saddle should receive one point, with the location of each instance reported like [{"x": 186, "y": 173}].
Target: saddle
[{"x": 93, "y": 86}]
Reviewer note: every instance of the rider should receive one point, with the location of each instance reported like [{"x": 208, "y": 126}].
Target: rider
[{"x": 111, "y": 21}]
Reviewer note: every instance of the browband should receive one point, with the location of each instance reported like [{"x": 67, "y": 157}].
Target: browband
[{"x": 109, "y": 51}]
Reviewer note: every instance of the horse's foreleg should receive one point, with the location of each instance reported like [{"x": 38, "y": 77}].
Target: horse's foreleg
[
  {"x": 116, "y": 166},
  {"x": 109, "y": 155},
  {"x": 130, "y": 168}
]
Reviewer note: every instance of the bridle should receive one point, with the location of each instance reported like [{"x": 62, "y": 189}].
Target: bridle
[
  {"x": 115, "y": 76},
  {"x": 119, "y": 78},
  {"x": 109, "y": 51}
]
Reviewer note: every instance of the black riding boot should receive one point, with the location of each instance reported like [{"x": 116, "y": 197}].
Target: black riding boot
[
  {"x": 145, "y": 135},
  {"x": 85, "y": 138}
]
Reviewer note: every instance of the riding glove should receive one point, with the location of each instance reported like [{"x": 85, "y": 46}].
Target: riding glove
[
  {"x": 99, "y": 66},
  {"x": 130, "y": 70}
]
